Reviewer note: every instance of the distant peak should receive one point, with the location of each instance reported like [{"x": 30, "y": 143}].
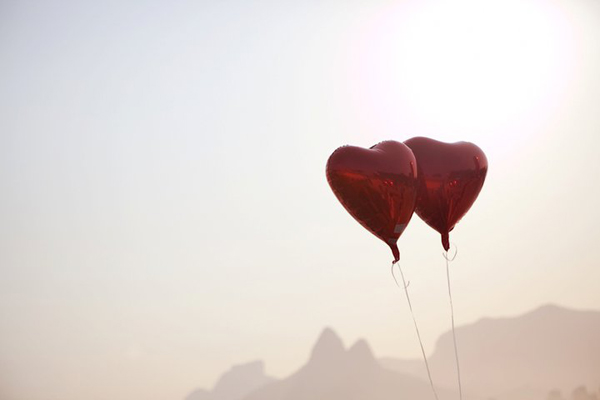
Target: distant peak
[
  {"x": 328, "y": 331},
  {"x": 548, "y": 309},
  {"x": 550, "y": 306},
  {"x": 328, "y": 336},
  {"x": 257, "y": 366},
  {"x": 329, "y": 345},
  {"x": 361, "y": 351},
  {"x": 238, "y": 374}
]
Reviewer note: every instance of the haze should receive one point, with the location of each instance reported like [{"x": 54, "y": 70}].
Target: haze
[{"x": 164, "y": 212}]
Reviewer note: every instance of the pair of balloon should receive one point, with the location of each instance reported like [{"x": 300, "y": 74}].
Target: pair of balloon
[{"x": 382, "y": 186}]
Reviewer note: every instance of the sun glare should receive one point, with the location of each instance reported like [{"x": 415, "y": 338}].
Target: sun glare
[{"x": 465, "y": 65}]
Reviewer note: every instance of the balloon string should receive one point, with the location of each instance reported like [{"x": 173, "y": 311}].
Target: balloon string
[
  {"x": 448, "y": 260},
  {"x": 405, "y": 286}
]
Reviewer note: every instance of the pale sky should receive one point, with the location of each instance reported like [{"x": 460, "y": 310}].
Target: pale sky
[{"x": 165, "y": 213}]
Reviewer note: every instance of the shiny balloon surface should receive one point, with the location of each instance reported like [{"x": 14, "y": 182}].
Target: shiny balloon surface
[
  {"x": 377, "y": 186},
  {"x": 450, "y": 177}
]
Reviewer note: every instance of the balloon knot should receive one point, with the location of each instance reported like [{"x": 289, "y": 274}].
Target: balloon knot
[{"x": 446, "y": 241}]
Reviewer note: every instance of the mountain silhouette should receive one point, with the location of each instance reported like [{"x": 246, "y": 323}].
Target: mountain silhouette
[
  {"x": 520, "y": 357},
  {"x": 235, "y": 384},
  {"x": 328, "y": 349},
  {"x": 334, "y": 373}
]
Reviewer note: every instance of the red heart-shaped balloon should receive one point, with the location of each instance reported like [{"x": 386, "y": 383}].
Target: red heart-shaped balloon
[
  {"x": 450, "y": 176},
  {"x": 377, "y": 186}
]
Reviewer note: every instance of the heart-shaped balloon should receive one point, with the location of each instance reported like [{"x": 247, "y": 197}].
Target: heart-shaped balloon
[
  {"x": 450, "y": 176},
  {"x": 377, "y": 186}
]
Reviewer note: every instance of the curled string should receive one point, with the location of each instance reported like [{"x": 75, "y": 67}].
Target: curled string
[
  {"x": 445, "y": 254},
  {"x": 448, "y": 260},
  {"x": 405, "y": 286}
]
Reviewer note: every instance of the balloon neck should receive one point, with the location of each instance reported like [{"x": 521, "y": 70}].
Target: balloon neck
[
  {"x": 395, "y": 252},
  {"x": 446, "y": 241}
]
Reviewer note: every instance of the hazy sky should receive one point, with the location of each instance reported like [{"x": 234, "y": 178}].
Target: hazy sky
[{"x": 164, "y": 211}]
